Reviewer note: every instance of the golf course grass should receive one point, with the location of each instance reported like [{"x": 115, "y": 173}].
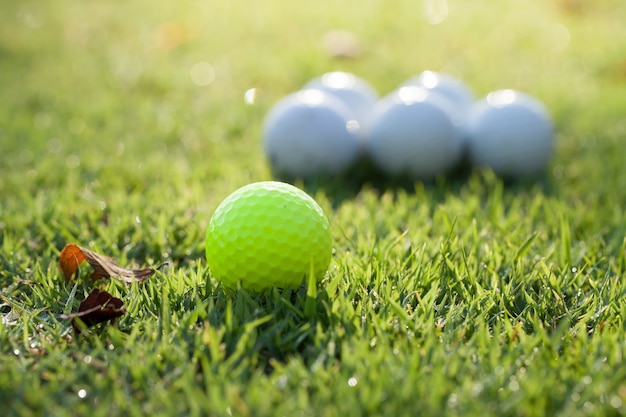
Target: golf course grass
[{"x": 123, "y": 125}]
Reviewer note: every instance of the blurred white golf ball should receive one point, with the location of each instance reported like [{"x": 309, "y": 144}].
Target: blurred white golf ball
[
  {"x": 511, "y": 133},
  {"x": 353, "y": 91},
  {"x": 412, "y": 133},
  {"x": 310, "y": 132},
  {"x": 453, "y": 89}
]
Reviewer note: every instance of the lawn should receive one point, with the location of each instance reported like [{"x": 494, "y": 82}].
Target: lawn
[{"x": 123, "y": 125}]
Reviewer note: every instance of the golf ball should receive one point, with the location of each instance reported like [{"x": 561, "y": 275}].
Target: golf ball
[
  {"x": 268, "y": 234},
  {"x": 449, "y": 87},
  {"x": 309, "y": 133},
  {"x": 413, "y": 133},
  {"x": 511, "y": 133},
  {"x": 353, "y": 91}
]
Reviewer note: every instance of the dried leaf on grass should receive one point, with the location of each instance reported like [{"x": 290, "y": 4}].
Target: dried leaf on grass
[
  {"x": 69, "y": 260},
  {"x": 103, "y": 267},
  {"x": 98, "y": 307}
]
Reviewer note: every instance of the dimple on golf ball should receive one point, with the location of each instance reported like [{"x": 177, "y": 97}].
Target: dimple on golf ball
[
  {"x": 268, "y": 234},
  {"x": 511, "y": 133},
  {"x": 310, "y": 133}
]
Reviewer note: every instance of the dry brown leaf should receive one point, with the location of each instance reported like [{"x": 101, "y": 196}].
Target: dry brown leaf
[
  {"x": 98, "y": 307},
  {"x": 103, "y": 267}
]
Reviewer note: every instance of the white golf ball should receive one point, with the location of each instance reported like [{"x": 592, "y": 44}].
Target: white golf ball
[
  {"x": 453, "y": 89},
  {"x": 309, "y": 133},
  {"x": 412, "y": 133},
  {"x": 510, "y": 132},
  {"x": 355, "y": 92}
]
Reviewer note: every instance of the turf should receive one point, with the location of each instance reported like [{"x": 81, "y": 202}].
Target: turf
[{"x": 465, "y": 296}]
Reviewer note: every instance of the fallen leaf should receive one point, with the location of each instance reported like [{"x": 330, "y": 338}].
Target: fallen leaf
[
  {"x": 103, "y": 267},
  {"x": 69, "y": 260},
  {"x": 98, "y": 307}
]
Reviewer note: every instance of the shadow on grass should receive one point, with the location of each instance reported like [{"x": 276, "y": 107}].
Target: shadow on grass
[
  {"x": 259, "y": 331},
  {"x": 366, "y": 176}
]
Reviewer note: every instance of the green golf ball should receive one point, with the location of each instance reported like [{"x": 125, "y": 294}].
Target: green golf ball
[{"x": 268, "y": 234}]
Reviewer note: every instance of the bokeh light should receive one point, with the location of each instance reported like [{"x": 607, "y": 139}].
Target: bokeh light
[
  {"x": 501, "y": 98},
  {"x": 202, "y": 74},
  {"x": 337, "y": 80},
  {"x": 311, "y": 97},
  {"x": 412, "y": 94},
  {"x": 250, "y": 96},
  {"x": 436, "y": 11}
]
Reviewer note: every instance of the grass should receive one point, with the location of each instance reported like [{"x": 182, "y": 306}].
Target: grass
[{"x": 466, "y": 296}]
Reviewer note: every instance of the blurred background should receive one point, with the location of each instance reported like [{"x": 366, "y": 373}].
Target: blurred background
[{"x": 130, "y": 94}]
